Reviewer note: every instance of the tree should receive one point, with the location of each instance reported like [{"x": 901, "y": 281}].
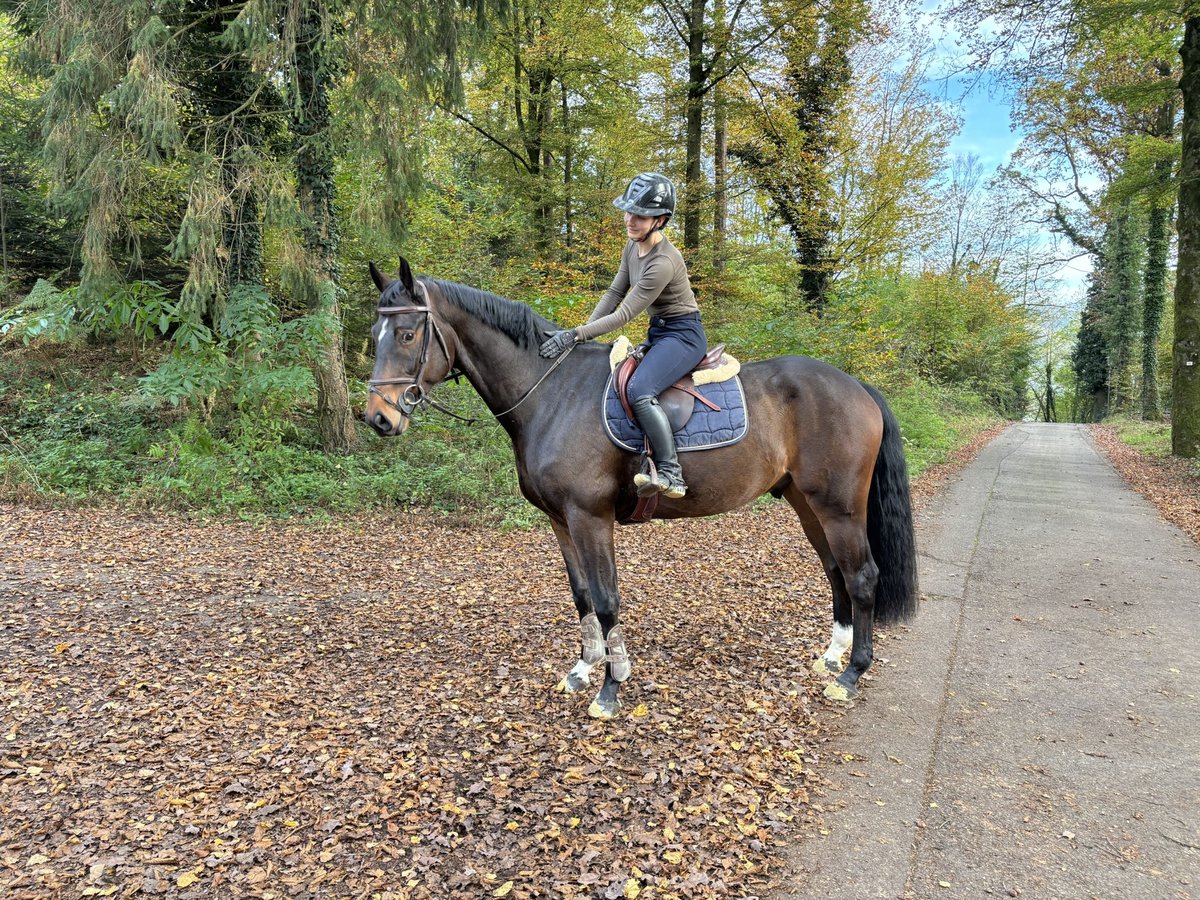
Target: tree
[
  {"x": 1185, "y": 381},
  {"x": 552, "y": 111},
  {"x": 32, "y": 243},
  {"x": 716, "y": 44},
  {"x": 317, "y": 66},
  {"x": 1090, "y": 358},
  {"x": 795, "y": 133}
]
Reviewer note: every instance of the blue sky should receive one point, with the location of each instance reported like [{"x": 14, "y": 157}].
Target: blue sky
[
  {"x": 986, "y": 129},
  {"x": 984, "y": 109}
]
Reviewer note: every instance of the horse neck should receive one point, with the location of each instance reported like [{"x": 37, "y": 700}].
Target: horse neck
[{"x": 500, "y": 371}]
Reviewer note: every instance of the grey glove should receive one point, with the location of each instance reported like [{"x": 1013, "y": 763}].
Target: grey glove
[{"x": 557, "y": 343}]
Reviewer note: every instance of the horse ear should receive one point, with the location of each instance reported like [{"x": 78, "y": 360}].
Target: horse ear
[
  {"x": 406, "y": 277},
  {"x": 381, "y": 280}
]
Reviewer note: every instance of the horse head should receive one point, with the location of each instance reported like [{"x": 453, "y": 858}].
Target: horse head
[{"x": 411, "y": 353}]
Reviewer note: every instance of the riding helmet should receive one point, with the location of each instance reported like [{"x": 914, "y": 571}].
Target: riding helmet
[{"x": 649, "y": 194}]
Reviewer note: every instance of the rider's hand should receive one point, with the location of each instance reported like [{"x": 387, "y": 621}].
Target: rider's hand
[{"x": 557, "y": 343}]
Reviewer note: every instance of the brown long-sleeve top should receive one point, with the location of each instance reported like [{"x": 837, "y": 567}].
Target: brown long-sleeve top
[{"x": 657, "y": 281}]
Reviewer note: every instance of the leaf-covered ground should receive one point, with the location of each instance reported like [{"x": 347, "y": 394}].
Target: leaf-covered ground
[
  {"x": 365, "y": 709},
  {"x": 1167, "y": 482}
]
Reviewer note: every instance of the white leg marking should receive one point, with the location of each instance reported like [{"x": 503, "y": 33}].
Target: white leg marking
[
  {"x": 841, "y": 638},
  {"x": 582, "y": 671}
]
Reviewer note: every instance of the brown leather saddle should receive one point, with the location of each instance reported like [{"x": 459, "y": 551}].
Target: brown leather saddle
[{"x": 679, "y": 400}]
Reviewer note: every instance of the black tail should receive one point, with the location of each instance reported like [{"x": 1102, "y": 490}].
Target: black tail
[{"x": 890, "y": 525}]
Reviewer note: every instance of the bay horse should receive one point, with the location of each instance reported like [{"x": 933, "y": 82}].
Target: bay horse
[{"x": 819, "y": 438}]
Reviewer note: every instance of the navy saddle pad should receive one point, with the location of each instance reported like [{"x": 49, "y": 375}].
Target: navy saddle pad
[{"x": 705, "y": 430}]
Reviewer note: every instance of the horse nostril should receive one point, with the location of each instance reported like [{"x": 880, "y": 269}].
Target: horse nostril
[{"x": 381, "y": 422}]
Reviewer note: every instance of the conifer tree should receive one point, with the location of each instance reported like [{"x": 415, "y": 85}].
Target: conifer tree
[{"x": 1090, "y": 357}]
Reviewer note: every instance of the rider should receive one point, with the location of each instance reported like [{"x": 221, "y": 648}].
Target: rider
[{"x": 652, "y": 276}]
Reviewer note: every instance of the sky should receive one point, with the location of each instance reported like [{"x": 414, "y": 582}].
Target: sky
[{"x": 986, "y": 131}]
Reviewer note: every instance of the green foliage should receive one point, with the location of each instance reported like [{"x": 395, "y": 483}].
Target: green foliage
[
  {"x": 84, "y": 437},
  {"x": 142, "y": 309},
  {"x": 1150, "y": 438},
  {"x": 230, "y": 171},
  {"x": 937, "y": 420}
]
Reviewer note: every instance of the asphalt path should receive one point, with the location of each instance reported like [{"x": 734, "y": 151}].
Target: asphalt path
[{"x": 1036, "y": 732}]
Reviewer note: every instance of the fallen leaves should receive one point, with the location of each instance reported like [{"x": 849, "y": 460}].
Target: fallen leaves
[
  {"x": 365, "y": 707},
  {"x": 1169, "y": 483}
]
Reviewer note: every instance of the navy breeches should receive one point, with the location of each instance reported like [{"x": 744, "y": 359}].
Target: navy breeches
[{"x": 676, "y": 346}]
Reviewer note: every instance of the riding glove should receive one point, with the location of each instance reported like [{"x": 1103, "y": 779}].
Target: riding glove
[{"x": 557, "y": 343}]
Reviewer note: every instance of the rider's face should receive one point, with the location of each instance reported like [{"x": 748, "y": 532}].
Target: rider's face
[{"x": 639, "y": 227}]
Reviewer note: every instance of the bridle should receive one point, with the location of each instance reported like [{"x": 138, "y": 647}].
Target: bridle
[{"x": 415, "y": 395}]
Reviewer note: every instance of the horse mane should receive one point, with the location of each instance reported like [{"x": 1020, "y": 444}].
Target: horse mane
[{"x": 510, "y": 317}]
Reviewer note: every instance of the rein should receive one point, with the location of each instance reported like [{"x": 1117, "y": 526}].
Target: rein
[
  {"x": 415, "y": 396},
  {"x": 558, "y": 362}
]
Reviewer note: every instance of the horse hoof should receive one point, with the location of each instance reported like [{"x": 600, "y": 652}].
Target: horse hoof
[
  {"x": 572, "y": 684},
  {"x": 839, "y": 693},
  {"x": 825, "y": 666},
  {"x": 600, "y": 710}
]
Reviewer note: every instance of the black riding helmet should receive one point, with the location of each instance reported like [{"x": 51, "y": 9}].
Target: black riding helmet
[{"x": 649, "y": 194}]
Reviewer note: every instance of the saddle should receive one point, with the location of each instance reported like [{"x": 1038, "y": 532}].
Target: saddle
[{"x": 679, "y": 400}]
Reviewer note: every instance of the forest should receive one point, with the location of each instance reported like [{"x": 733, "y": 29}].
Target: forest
[{"x": 191, "y": 191}]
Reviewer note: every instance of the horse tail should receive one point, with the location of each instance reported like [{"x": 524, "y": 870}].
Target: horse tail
[{"x": 890, "y": 524}]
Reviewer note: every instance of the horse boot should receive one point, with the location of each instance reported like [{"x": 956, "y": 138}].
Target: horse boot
[{"x": 669, "y": 479}]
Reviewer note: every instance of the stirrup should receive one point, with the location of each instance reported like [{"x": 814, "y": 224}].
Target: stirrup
[{"x": 659, "y": 482}]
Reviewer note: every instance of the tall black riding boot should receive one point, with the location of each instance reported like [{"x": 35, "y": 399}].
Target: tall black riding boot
[{"x": 654, "y": 423}]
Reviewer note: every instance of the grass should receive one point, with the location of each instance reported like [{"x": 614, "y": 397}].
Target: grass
[
  {"x": 74, "y": 429},
  {"x": 1150, "y": 438},
  {"x": 935, "y": 421}
]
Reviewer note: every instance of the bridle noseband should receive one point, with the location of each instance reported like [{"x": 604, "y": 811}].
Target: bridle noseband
[{"x": 415, "y": 394}]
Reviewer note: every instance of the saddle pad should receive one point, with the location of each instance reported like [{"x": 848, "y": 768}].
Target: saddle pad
[{"x": 705, "y": 430}]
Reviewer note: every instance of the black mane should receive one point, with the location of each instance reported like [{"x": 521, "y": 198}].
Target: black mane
[{"x": 518, "y": 321}]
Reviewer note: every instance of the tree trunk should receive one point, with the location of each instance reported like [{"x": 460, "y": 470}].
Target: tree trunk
[
  {"x": 1121, "y": 303},
  {"x": 1154, "y": 285},
  {"x": 1185, "y": 381},
  {"x": 312, "y": 126},
  {"x": 1154, "y": 298},
  {"x": 720, "y": 144},
  {"x": 568, "y": 157},
  {"x": 3, "y": 239},
  {"x": 695, "y": 127},
  {"x": 721, "y": 196}
]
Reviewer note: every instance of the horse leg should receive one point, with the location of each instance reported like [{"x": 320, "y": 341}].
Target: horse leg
[
  {"x": 847, "y": 537},
  {"x": 842, "y": 632},
  {"x": 592, "y": 537},
  {"x": 592, "y": 639}
]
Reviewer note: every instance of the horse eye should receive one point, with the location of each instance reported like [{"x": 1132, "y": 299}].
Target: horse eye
[{"x": 406, "y": 337}]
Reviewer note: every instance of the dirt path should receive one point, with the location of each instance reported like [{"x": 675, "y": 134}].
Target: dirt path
[
  {"x": 1037, "y": 732},
  {"x": 365, "y": 709}
]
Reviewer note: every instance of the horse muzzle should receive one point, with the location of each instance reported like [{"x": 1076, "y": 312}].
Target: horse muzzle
[{"x": 387, "y": 423}]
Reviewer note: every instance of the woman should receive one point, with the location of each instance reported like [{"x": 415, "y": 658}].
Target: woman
[{"x": 652, "y": 277}]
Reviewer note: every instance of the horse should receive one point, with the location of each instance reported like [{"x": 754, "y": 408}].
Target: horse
[{"x": 822, "y": 440}]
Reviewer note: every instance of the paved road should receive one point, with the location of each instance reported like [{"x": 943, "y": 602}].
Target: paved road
[{"x": 1037, "y": 732}]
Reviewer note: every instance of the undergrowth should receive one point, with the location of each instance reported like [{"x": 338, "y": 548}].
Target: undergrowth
[
  {"x": 1149, "y": 438},
  {"x": 76, "y": 429}
]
